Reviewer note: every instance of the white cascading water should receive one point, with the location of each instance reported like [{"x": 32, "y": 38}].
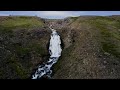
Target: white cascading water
[{"x": 55, "y": 53}]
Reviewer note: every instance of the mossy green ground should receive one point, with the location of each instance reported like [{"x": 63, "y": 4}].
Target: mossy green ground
[
  {"x": 22, "y": 21},
  {"x": 23, "y": 45},
  {"x": 95, "y": 36},
  {"x": 110, "y": 35}
]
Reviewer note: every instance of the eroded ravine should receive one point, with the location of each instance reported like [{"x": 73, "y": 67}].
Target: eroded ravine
[{"x": 55, "y": 53}]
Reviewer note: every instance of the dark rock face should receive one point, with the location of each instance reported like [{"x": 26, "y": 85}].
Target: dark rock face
[{"x": 22, "y": 50}]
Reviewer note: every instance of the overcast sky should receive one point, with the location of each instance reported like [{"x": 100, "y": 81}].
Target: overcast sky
[{"x": 58, "y": 14}]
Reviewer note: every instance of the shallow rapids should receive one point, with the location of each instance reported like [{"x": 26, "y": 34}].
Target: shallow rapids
[{"x": 55, "y": 52}]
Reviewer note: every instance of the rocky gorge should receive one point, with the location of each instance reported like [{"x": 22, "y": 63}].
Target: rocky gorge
[{"x": 90, "y": 46}]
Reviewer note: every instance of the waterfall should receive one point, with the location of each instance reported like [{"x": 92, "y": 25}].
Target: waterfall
[{"x": 55, "y": 52}]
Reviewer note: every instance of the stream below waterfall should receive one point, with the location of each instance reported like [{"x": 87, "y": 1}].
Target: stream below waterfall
[{"x": 55, "y": 52}]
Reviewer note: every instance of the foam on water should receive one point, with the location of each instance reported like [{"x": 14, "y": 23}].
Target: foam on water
[{"x": 55, "y": 52}]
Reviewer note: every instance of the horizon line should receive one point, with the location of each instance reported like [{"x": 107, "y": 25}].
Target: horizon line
[{"x": 56, "y": 18}]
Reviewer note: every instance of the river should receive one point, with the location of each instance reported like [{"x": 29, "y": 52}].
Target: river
[{"x": 55, "y": 52}]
